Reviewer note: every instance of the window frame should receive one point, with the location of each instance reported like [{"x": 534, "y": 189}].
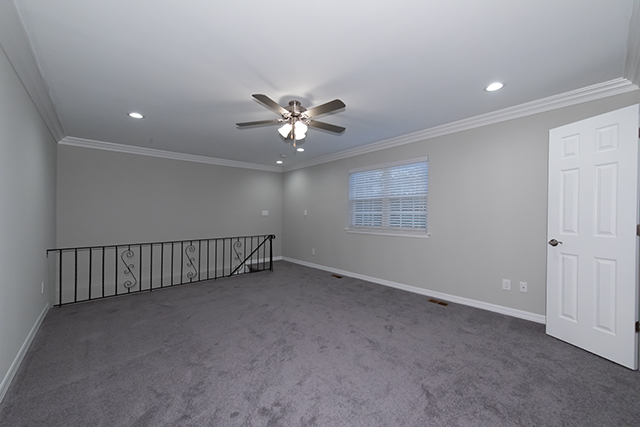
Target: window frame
[{"x": 389, "y": 230}]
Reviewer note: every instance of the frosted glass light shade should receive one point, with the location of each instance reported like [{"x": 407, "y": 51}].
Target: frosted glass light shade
[
  {"x": 301, "y": 131},
  {"x": 284, "y": 130}
]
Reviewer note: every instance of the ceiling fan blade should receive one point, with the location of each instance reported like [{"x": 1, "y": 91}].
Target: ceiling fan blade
[
  {"x": 330, "y": 106},
  {"x": 327, "y": 126},
  {"x": 258, "y": 123},
  {"x": 270, "y": 103}
]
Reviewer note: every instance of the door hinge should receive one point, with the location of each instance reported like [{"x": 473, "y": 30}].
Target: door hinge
[
  {"x": 637, "y": 326},
  {"x": 638, "y": 230}
]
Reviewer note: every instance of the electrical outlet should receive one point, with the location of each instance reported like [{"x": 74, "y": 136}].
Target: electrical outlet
[
  {"x": 523, "y": 287},
  {"x": 313, "y": 251},
  {"x": 506, "y": 284}
]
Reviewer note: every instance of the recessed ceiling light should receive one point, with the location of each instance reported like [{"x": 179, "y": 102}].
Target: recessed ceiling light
[
  {"x": 136, "y": 115},
  {"x": 279, "y": 162},
  {"x": 494, "y": 86},
  {"x": 300, "y": 149}
]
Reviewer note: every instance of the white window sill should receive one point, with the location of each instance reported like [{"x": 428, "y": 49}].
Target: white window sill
[{"x": 419, "y": 234}]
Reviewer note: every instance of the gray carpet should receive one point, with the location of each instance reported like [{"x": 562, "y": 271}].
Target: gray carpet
[{"x": 298, "y": 347}]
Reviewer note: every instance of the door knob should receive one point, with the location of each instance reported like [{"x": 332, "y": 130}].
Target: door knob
[{"x": 554, "y": 242}]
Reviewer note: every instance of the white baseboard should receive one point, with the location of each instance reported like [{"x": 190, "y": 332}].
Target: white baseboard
[
  {"x": 520, "y": 314},
  {"x": 6, "y": 381}
]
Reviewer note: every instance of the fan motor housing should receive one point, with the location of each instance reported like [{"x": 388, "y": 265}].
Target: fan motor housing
[{"x": 295, "y": 108}]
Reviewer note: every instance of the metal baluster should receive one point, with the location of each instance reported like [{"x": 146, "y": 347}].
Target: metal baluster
[
  {"x": 140, "y": 267},
  {"x": 150, "y": 267},
  {"x": 75, "y": 280},
  {"x": 129, "y": 269},
  {"x": 253, "y": 255},
  {"x": 90, "y": 270},
  {"x": 116, "y": 278},
  {"x": 191, "y": 261},
  {"x": 103, "y": 272},
  {"x": 60, "y": 279}
]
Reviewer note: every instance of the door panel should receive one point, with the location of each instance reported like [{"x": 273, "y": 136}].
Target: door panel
[{"x": 592, "y": 285}]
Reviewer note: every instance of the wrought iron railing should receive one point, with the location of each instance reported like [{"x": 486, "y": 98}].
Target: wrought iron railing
[{"x": 96, "y": 272}]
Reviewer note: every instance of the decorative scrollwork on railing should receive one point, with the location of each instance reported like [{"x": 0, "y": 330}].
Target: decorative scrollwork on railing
[
  {"x": 129, "y": 272},
  {"x": 237, "y": 249},
  {"x": 191, "y": 261}
]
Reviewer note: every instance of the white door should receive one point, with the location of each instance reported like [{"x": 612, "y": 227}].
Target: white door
[{"x": 592, "y": 283}]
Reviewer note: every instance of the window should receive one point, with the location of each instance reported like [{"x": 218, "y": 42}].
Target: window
[{"x": 389, "y": 198}]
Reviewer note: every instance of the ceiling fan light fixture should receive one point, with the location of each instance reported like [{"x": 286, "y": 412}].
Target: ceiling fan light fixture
[
  {"x": 296, "y": 119},
  {"x": 135, "y": 115},
  {"x": 299, "y": 149},
  {"x": 300, "y": 130}
]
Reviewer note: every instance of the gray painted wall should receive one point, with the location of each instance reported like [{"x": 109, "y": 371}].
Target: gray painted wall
[
  {"x": 107, "y": 197},
  {"x": 487, "y": 212},
  {"x": 27, "y": 216}
]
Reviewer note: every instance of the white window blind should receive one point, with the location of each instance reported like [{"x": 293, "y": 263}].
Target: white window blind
[{"x": 391, "y": 198}]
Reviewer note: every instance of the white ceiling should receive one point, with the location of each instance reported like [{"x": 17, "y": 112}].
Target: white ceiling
[{"x": 400, "y": 67}]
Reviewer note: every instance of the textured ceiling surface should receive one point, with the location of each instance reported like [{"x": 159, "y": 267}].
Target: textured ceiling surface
[{"x": 400, "y": 67}]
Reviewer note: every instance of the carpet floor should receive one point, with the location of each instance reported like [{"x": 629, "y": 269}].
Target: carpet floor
[{"x": 298, "y": 347}]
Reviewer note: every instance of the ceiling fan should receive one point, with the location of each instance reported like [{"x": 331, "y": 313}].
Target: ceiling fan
[{"x": 296, "y": 118}]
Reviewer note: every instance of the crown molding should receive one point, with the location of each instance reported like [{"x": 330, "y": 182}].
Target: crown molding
[
  {"x": 130, "y": 149},
  {"x": 15, "y": 43},
  {"x": 589, "y": 93},
  {"x": 578, "y": 96},
  {"x": 632, "y": 62}
]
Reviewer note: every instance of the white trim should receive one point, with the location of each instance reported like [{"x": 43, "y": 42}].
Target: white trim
[
  {"x": 632, "y": 61},
  {"x": 6, "y": 381},
  {"x": 578, "y": 96},
  {"x": 520, "y": 314},
  {"x": 16, "y": 44},
  {"x": 419, "y": 234},
  {"x": 420, "y": 159},
  {"x": 152, "y": 152}
]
